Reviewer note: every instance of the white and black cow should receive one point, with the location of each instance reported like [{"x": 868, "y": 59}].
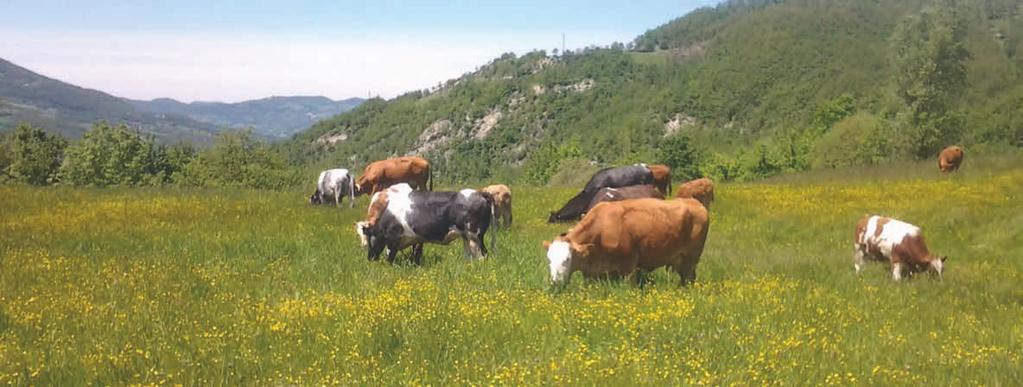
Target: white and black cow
[
  {"x": 334, "y": 185},
  {"x": 414, "y": 217}
]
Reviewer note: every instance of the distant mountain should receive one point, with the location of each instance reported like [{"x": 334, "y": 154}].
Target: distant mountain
[
  {"x": 26, "y": 96},
  {"x": 64, "y": 108},
  {"x": 274, "y": 117}
]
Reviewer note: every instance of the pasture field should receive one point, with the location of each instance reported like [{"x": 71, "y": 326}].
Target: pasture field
[{"x": 213, "y": 287}]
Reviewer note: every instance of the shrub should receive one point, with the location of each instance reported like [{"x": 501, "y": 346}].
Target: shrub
[
  {"x": 31, "y": 156},
  {"x": 114, "y": 155},
  {"x": 238, "y": 160}
]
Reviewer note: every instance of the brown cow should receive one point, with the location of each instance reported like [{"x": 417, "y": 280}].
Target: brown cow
[
  {"x": 886, "y": 239},
  {"x": 662, "y": 177},
  {"x": 624, "y": 193},
  {"x": 379, "y": 175},
  {"x": 950, "y": 158},
  {"x": 502, "y": 204},
  {"x": 619, "y": 238},
  {"x": 701, "y": 189}
]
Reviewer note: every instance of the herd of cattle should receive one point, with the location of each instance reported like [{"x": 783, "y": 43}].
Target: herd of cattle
[{"x": 625, "y": 227}]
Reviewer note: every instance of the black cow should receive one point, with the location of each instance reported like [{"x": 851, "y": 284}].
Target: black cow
[
  {"x": 604, "y": 178},
  {"x": 414, "y": 217}
]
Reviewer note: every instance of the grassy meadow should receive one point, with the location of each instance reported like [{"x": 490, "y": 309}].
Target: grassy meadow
[{"x": 212, "y": 287}]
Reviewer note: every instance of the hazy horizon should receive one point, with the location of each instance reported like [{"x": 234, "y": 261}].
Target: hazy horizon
[{"x": 235, "y": 51}]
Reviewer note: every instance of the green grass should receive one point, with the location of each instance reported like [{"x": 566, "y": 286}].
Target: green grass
[{"x": 116, "y": 286}]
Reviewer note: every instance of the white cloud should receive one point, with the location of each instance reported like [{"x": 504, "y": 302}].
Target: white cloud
[{"x": 228, "y": 68}]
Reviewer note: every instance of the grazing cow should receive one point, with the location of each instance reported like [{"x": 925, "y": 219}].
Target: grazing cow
[
  {"x": 334, "y": 185},
  {"x": 377, "y": 204},
  {"x": 414, "y": 217},
  {"x": 886, "y": 239},
  {"x": 604, "y": 178},
  {"x": 701, "y": 189},
  {"x": 379, "y": 175},
  {"x": 624, "y": 193},
  {"x": 619, "y": 238},
  {"x": 502, "y": 204},
  {"x": 662, "y": 177},
  {"x": 950, "y": 158}
]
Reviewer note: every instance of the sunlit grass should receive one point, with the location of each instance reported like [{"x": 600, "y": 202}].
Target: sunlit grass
[{"x": 242, "y": 287}]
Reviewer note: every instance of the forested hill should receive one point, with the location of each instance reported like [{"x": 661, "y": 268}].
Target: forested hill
[{"x": 738, "y": 91}]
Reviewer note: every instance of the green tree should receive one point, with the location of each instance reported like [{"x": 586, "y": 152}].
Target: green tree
[
  {"x": 32, "y": 155},
  {"x": 678, "y": 153},
  {"x": 929, "y": 60},
  {"x": 114, "y": 155},
  {"x": 238, "y": 160}
]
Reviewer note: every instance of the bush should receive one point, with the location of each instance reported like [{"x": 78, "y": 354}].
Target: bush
[
  {"x": 114, "y": 155},
  {"x": 678, "y": 153},
  {"x": 31, "y": 156},
  {"x": 238, "y": 160},
  {"x": 857, "y": 140}
]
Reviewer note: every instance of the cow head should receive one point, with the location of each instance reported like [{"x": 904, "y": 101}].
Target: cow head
[
  {"x": 560, "y": 254},
  {"x": 555, "y": 218},
  {"x": 937, "y": 265},
  {"x": 373, "y": 241},
  {"x": 315, "y": 198}
]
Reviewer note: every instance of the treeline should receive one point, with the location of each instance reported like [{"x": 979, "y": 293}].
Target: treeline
[{"x": 115, "y": 155}]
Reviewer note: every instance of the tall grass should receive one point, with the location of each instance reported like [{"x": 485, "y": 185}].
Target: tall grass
[{"x": 204, "y": 287}]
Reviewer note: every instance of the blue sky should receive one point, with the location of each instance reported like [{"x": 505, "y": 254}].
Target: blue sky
[{"x": 237, "y": 50}]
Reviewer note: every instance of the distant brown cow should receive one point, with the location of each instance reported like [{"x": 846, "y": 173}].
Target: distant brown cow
[
  {"x": 662, "y": 177},
  {"x": 950, "y": 158},
  {"x": 900, "y": 243},
  {"x": 619, "y": 238},
  {"x": 502, "y": 204},
  {"x": 701, "y": 189},
  {"x": 379, "y": 175},
  {"x": 624, "y": 193}
]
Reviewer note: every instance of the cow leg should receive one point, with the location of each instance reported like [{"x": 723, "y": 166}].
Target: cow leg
[
  {"x": 507, "y": 218},
  {"x": 858, "y": 255},
  {"x": 897, "y": 271},
  {"x": 639, "y": 278},
  {"x": 337, "y": 197},
  {"x": 417, "y": 254},
  {"x": 392, "y": 252},
  {"x": 686, "y": 273}
]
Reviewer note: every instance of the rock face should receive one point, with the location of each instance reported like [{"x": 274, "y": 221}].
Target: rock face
[
  {"x": 677, "y": 123},
  {"x": 332, "y": 138},
  {"x": 486, "y": 124},
  {"x": 438, "y": 133}
]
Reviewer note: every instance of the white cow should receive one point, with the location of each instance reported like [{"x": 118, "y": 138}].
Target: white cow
[{"x": 334, "y": 184}]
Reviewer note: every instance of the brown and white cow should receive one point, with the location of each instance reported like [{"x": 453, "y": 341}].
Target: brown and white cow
[
  {"x": 886, "y": 239},
  {"x": 502, "y": 204},
  {"x": 662, "y": 177},
  {"x": 377, "y": 204},
  {"x": 701, "y": 189},
  {"x": 621, "y": 238},
  {"x": 625, "y": 193},
  {"x": 950, "y": 158},
  {"x": 379, "y": 175}
]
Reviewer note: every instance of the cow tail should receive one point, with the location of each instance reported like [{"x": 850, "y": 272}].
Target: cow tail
[
  {"x": 429, "y": 177},
  {"x": 493, "y": 220}
]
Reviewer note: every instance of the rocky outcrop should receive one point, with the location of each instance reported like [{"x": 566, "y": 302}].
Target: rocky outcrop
[{"x": 678, "y": 122}]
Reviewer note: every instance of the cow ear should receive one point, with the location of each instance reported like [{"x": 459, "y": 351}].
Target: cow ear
[
  {"x": 582, "y": 249},
  {"x": 546, "y": 245},
  {"x": 943, "y": 259}
]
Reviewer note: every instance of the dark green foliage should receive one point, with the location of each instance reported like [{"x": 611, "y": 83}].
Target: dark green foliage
[
  {"x": 238, "y": 160},
  {"x": 114, "y": 155},
  {"x": 679, "y": 153},
  {"x": 929, "y": 59},
  {"x": 30, "y": 155},
  {"x": 546, "y": 160}
]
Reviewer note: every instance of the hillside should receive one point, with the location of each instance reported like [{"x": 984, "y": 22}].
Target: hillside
[
  {"x": 273, "y": 117},
  {"x": 758, "y": 87},
  {"x": 26, "y": 96}
]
